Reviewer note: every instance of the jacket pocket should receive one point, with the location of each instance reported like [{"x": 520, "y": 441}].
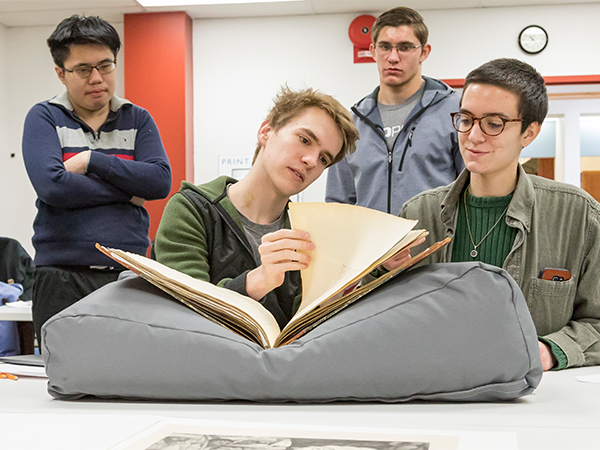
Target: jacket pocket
[{"x": 551, "y": 304}]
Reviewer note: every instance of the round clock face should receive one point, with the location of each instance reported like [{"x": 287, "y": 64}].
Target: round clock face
[{"x": 533, "y": 39}]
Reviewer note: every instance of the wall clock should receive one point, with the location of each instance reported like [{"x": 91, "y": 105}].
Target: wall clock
[{"x": 533, "y": 39}]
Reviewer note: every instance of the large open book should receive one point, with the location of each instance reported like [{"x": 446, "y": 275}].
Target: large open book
[{"x": 350, "y": 241}]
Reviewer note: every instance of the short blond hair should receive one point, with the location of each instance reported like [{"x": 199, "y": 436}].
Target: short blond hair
[{"x": 289, "y": 104}]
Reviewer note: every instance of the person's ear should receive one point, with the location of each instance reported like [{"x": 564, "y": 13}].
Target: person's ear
[
  {"x": 61, "y": 73},
  {"x": 372, "y": 50},
  {"x": 264, "y": 132},
  {"x": 425, "y": 51},
  {"x": 530, "y": 134}
]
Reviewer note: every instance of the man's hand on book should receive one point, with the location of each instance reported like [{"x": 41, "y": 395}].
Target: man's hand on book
[
  {"x": 278, "y": 254},
  {"x": 402, "y": 256}
]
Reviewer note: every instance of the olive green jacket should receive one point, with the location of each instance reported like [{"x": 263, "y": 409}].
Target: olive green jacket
[{"x": 558, "y": 226}]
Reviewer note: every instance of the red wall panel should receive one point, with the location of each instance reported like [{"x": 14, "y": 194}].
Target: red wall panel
[{"x": 159, "y": 78}]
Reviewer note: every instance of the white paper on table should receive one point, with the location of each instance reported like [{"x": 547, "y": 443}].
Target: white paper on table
[
  {"x": 20, "y": 304},
  {"x": 590, "y": 378},
  {"x": 23, "y": 371},
  {"x": 439, "y": 439}
]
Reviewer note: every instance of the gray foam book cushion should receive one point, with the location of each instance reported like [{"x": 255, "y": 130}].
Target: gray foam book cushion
[{"x": 449, "y": 332}]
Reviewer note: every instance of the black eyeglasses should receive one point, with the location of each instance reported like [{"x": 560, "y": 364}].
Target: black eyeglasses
[
  {"x": 104, "y": 68},
  {"x": 386, "y": 48},
  {"x": 492, "y": 124}
]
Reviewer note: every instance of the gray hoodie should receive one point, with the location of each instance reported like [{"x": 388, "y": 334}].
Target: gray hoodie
[{"x": 425, "y": 154}]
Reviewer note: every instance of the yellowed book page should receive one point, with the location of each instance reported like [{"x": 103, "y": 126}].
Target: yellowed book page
[
  {"x": 170, "y": 276},
  {"x": 348, "y": 239},
  {"x": 212, "y": 308},
  {"x": 412, "y": 236},
  {"x": 310, "y": 317}
]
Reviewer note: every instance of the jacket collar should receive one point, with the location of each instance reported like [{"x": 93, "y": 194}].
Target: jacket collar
[
  {"x": 216, "y": 192},
  {"x": 523, "y": 201},
  {"x": 450, "y": 202},
  {"x": 520, "y": 208},
  {"x": 63, "y": 100},
  {"x": 435, "y": 91}
]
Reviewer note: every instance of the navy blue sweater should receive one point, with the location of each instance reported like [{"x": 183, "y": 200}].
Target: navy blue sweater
[{"x": 75, "y": 211}]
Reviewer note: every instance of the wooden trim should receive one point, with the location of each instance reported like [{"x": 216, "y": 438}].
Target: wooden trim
[
  {"x": 546, "y": 168},
  {"x": 459, "y": 83},
  {"x": 573, "y": 95},
  {"x": 576, "y": 79},
  {"x": 590, "y": 182}
]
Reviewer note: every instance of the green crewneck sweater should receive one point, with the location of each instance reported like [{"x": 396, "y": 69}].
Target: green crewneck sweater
[{"x": 483, "y": 214}]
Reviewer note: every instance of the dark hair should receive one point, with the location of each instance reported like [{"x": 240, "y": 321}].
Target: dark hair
[
  {"x": 519, "y": 78},
  {"x": 397, "y": 17},
  {"x": 289, "y": 104},
  {"x": 81, "y": 30}
]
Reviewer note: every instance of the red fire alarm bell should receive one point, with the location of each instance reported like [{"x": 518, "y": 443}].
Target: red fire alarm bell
[{"x": 360, "y": 35}]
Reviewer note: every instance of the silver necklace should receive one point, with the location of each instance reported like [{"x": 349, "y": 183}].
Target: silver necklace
[{"x": 474, "y": 251}]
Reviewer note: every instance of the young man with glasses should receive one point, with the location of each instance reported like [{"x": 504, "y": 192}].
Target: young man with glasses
[
  {"x": 407, "y": 143},
  {"x": 545, "y": 234},
  {"x": 93, "y": 160}
]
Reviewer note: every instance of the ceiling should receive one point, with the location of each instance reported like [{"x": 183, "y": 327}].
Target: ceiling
[{"x": 17, "y": 13}]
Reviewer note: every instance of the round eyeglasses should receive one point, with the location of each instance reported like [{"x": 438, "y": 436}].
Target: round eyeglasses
[
  {"x": 81, "y": 72},
  {"x": 491, "y": 125}
]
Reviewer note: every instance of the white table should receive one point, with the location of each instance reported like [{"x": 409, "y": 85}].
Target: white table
[
  {"x": 21, "y": 313},
  {"x": 563, "y": 413}
]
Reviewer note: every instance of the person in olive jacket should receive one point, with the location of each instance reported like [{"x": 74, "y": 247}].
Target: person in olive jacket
[{"x": 545, "y": 234}]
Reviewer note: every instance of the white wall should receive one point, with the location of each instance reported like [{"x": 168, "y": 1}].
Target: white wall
[
  {"x": 240, "y": 63},
  {"x": 467, "y": 38},
  {"x": 16, "y": 201},
  {"x": 27, "y": 76},
  {"x": 4, "y": 150}
]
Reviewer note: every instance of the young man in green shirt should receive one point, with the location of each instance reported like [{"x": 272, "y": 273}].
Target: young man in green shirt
[
  {"x": 498, "y": 214},
  {"x": 236, "y": 234}
]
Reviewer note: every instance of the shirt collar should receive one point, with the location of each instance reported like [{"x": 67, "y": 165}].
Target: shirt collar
[
  {"x": 520, "y": 208},
  {"x": 63, "y": 100}
]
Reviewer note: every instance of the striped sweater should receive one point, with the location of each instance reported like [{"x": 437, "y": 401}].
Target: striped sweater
[{"x": 75, "y": 211}]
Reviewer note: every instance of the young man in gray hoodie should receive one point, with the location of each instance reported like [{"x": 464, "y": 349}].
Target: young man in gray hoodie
[{"x": 407, "y": 142}]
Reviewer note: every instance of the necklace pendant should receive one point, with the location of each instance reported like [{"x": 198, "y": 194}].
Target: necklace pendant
[{"x": 474, "y": 253}]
